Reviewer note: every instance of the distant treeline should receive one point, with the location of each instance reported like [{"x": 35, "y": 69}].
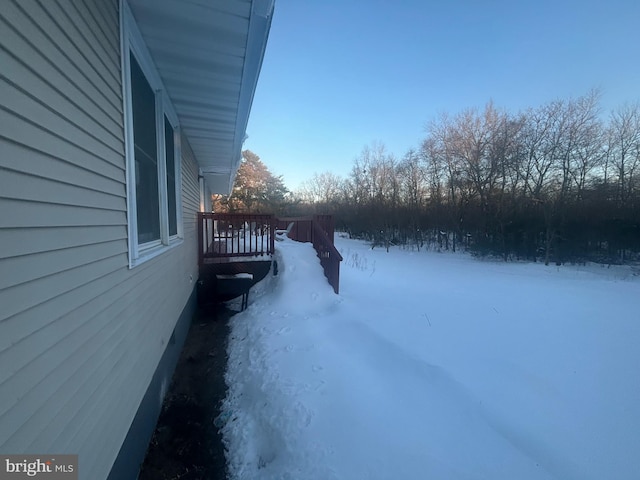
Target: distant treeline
[{"x": 555, "y": 183}]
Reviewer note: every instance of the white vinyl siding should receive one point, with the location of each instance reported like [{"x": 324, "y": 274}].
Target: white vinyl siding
[{"x": 80, "y": 333}]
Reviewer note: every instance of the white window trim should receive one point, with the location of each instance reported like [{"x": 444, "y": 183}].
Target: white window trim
[{"x": 131, "y": 41}]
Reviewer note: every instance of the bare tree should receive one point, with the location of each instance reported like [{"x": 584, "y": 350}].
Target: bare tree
[
  {"x": 624, "y": 154},
  {"x": 554, "y": 181},
  {"x": 322, "y": 189}
]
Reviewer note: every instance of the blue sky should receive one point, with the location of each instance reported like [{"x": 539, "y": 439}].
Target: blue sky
[{"x": 341, "y": 74}]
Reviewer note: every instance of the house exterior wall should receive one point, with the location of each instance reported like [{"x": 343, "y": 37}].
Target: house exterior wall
[{"x": 81, "y": 334}]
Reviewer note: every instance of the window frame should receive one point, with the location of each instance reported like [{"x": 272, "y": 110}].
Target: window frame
[
  {"x": 177, "y": 179},
  {"x": 132, "y": 43}
]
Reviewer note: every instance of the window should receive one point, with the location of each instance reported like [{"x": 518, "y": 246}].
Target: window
[
  {"x": 152, "y": 150},
  {"x": 169, "y": 134},
  {"x": 146, "y": 155}
]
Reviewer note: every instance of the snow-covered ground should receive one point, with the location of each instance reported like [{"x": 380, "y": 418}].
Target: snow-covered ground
[{"x": 435, "y": 365}]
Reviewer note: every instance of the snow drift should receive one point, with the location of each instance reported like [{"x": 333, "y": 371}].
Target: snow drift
[{"x": 436, "y": 366}]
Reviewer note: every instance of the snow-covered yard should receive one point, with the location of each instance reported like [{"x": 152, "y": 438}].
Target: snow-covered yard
[{"x": 435, "y": 365}]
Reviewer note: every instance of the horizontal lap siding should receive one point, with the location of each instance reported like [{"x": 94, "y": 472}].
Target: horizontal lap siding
[
  {"x": 80, "y": 333},
  {"x": 191, "y": 191}
]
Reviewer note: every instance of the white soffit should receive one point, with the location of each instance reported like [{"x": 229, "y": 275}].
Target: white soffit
[{"x": 209, "y": 54}]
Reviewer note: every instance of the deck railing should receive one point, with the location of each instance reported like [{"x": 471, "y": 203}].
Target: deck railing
[
  {"x": 225, "y": 235},
  {"x": 302, "y": 230},
  {"x": 318, "y": 230},
  {"x": 235, "y": 235},
  {"x": 326, "y": 223},
  {"x": 329, "y": 256}
]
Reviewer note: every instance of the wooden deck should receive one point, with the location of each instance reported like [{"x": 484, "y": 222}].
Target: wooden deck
[
  {"x": 232, "y": 244},
  {"x": 235, "y": 235}
]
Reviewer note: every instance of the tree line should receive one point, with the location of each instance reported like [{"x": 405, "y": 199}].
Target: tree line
[{"x": 556, "y": 183}]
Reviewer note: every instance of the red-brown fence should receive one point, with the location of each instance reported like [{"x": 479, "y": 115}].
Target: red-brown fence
[
  {"x": 302, "y": 230},
  {"x": 235, "y": 235}
]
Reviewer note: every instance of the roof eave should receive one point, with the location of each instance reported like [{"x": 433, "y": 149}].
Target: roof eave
[
  {"x": 208, "y": 55},
  {"x": 259, "y": 27}
]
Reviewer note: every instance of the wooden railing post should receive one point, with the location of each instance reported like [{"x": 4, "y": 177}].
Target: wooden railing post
[{"x": 272, "y": 234}]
